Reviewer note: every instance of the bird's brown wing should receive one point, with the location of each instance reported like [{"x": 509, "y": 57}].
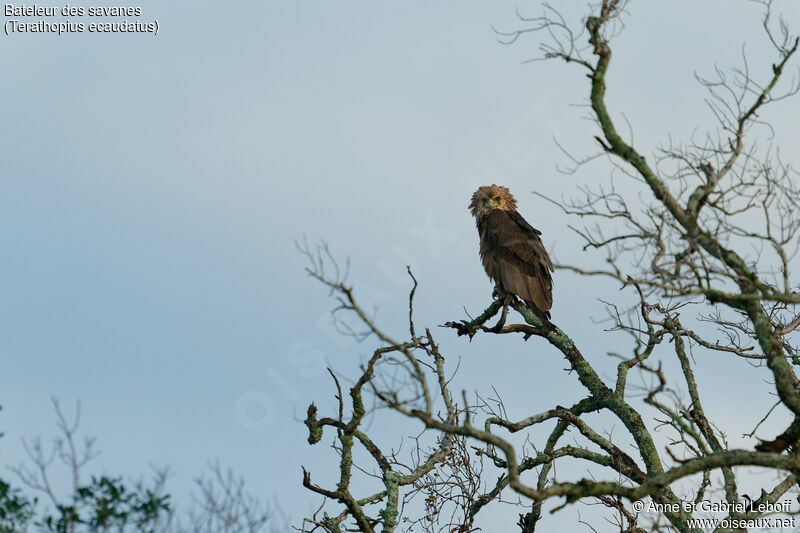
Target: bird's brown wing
[{"x": 522, "y": 261}]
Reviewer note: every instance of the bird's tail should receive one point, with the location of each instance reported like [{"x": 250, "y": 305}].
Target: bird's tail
[{"x": 541, "y": 314}]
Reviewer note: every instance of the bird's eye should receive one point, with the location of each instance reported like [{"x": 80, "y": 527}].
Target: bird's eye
[{"x": 496, "y": 198}]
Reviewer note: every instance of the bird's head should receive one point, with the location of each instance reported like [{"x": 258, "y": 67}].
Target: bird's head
[{"x": 491, "y": 197}]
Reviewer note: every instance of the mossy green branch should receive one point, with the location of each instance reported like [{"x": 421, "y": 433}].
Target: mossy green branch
[
  {"x": 598, "y": 389},
  {"x": 314, "y": 428},
  {"x": 747, "y": 279},
  {"x": 601, "y": 395},
  {"x": 653, "y": 486}
]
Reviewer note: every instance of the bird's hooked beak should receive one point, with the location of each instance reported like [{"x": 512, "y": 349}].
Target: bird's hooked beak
[{"x": 490, "y": 203}]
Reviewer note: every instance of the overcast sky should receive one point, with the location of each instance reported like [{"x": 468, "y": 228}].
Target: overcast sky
[{"x": 151, "y": 188}]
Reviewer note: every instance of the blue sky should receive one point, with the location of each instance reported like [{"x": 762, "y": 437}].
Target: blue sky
[{"x": 151, "y": 188}]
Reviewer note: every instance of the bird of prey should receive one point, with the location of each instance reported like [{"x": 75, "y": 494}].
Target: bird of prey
[{"x": 511, "y": 251}]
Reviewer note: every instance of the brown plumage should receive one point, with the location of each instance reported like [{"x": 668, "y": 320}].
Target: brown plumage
[{"x": 511, "y": 251}]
